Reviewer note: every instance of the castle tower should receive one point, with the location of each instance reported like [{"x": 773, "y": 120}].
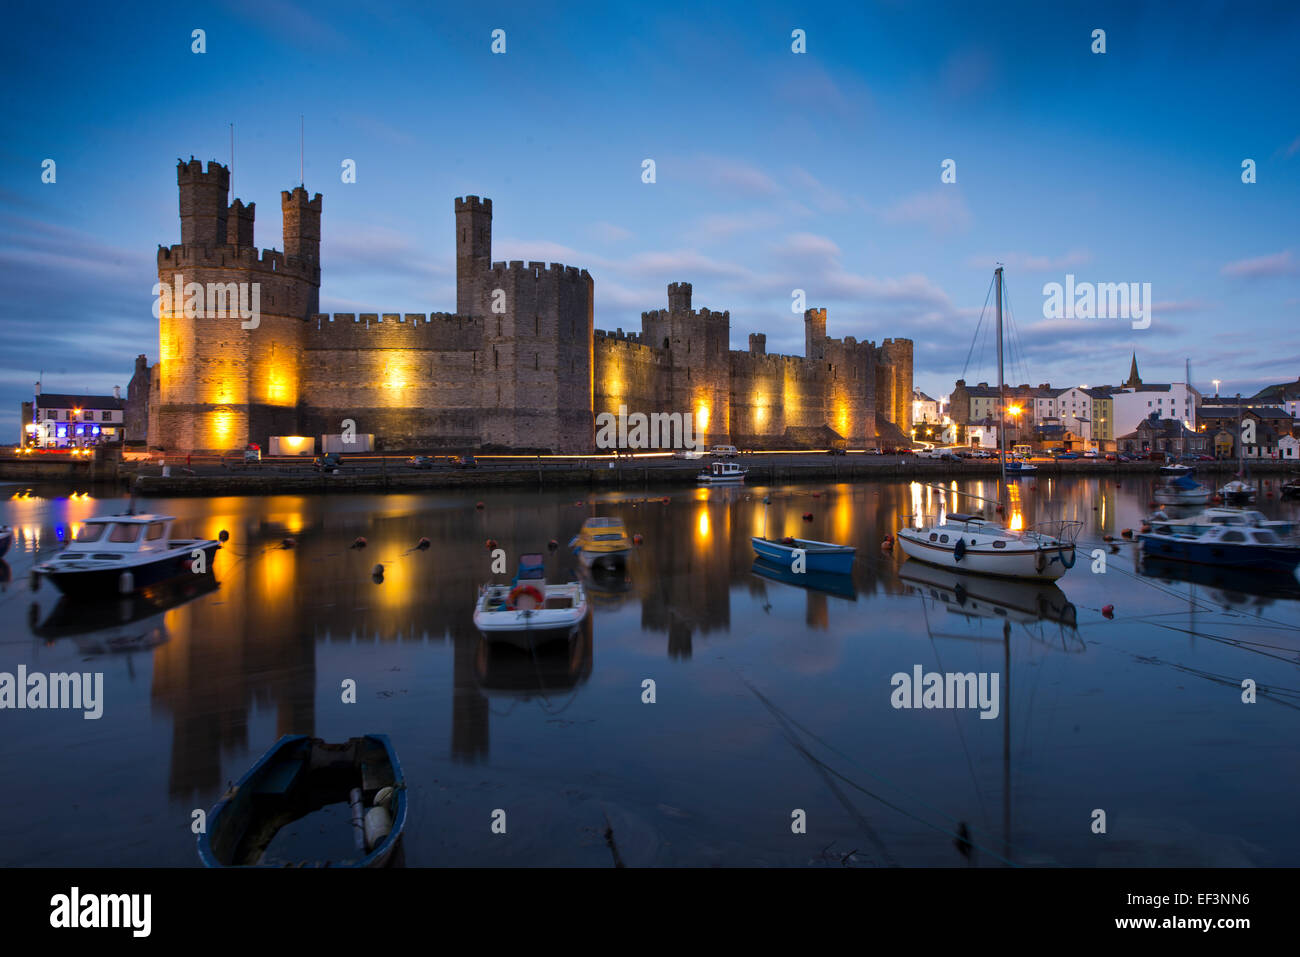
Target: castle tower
[
  {"x": 301, "y": 225},
  {"x": 203, "y": 202},
  {"x": 223, "y": 380},
  {"x": 679, "y": 297},
  {"x": 698, "y": 362},
  {"x": 473, "y": 253},
  {"x": 814, "y": 333},
  {"x": 896, "y": 355},
  {"x": 239, "y": 224}
]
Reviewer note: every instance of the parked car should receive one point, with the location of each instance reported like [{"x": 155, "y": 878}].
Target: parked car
[
  {"x": 1090, "y": 454},
  {"x": 1067, "y": 455},
  {"x": 950, "y": 457},
  {"x": 724, "y": 451},
  {"x": 464, "y": 461},
  {"x": 688, "y": 454},
  {"x": 874, "y": 452},
  {"x": 253, "y": 453},
  {"x": 421, "y": 461},
  {"x": 836, "y": 450},
  {"x": 331, "y": 462},
  {"x": 1112, "y": 457}
]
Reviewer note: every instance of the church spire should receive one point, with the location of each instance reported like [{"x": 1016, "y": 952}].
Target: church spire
[{"x": 1133, "y": 378}]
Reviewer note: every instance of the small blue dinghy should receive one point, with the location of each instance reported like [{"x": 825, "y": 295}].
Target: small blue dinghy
[
  {"x": 817, "y": 556},
  {"x": 309, "y": 803}
]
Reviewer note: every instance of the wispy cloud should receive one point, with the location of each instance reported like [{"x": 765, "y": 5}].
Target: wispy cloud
[
  {"x": 1261, "y": 267},
  {"x": 608, "y": 232},
  {"x": 942, "y": 210},
  {"x": 730, "y": 175}
]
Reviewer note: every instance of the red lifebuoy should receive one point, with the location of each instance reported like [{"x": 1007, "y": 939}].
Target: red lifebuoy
[{"x": 520, "y": 590}]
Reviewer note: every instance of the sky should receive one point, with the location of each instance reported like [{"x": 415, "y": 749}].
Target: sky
[{"x": 775, "y": 171}]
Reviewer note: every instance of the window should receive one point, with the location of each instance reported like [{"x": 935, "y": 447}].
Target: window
[
  {"x": 106, "y": 416},
  {"x": 943, "y": 538},
  {"x": 156, "y": 531},
  {"x": 91, "y": 532},
  {"x": 1233, "y": 537},
  {"x": 124, "y": 533}
]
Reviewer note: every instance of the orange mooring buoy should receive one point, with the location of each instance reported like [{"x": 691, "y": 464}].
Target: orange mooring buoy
[
  {"x": 1108, "y": 611},
  {"x": 491, "y": 543},
  {"x": 1127, "y": 533},
  {"x": 359, "y": 542},
  {"x": 478, "y": 505},
  {"x": 422, "y": 544},
  {"x": 807, "y": 516},
  {"x": 637, "y": 539}
]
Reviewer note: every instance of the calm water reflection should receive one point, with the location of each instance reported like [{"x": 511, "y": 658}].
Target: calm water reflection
[{"x": 772, "y": 694}]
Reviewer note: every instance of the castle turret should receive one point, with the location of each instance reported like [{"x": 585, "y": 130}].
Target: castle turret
[
  {"x": 239, "y": 224},
  {"x": 473, "y": 252},
  {"x": 203, "y": 202},
  {"x": 757, "y": 344},
  {"x": 301, "y": 226},
  {"x": 814, "y": 333},
  {"x": 679, "y": 297}
]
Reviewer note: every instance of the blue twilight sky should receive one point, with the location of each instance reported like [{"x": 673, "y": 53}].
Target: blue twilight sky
[{"x": 775, "y": 171}]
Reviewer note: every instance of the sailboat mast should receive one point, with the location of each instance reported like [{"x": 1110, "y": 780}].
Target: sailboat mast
[{"x": 1002, "y": 387}]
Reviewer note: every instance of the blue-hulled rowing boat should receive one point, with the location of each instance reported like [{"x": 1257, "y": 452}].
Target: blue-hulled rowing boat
[
  {"x": 817, "y": 556},
  {"x": 321, "y": 785}
]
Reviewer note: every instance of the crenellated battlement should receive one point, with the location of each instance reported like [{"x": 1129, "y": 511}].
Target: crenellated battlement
[
  {"x": 539, "y": 271},
  {"x": 707, "y": 315},
  {"x": 474, "y": 204},
  {"x": 191, "y": 173},
  {"x": 237, "y": 257}
]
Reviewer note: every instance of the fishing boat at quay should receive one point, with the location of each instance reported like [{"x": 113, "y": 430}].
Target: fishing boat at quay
[
  {"x": 722, "y": 473},
  {"x": 1182, "y": 490}
]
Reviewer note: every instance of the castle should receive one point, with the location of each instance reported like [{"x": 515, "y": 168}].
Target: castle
[{"x": 518, "y": 365}]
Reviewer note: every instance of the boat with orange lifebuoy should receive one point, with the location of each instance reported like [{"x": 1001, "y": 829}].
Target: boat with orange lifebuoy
[{"x": 529, "y": 605}]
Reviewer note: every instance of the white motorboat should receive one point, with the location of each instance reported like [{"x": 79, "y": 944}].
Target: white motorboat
[
  {"x": 972, "y": 544},
  {"x": 124, "y": 554},
  {"x": 528, "y": 605},
  {"x": 1237, "y": 492},
  {"x": 6, "y": 539},
  {"x": 722, "y": 473},
  {"x": 1210, "y": 518}
]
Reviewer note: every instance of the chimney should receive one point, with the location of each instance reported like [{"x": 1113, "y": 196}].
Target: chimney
[
  {"x": 117, "y": 392},
  {"x": 38, "y": 388}
]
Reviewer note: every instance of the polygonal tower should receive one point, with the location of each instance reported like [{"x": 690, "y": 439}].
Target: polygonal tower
[{"x": 225, "y": 378}]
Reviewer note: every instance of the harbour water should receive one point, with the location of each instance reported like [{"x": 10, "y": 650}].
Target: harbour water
[{"x": 772, "y": 695}]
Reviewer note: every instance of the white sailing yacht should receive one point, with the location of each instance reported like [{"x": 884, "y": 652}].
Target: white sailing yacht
[{"x": 974, "y": 544}]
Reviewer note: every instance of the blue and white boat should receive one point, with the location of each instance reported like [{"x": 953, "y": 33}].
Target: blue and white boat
[
  {"x": 817, "y": 556},
  {"x": 1210, "y": 518},
  {"x": 1224, "y": 545},
  {"x": 1015, "y": 468},
  {"x": 292, "y": 807},
  {"x": 1182, "y": 490}
]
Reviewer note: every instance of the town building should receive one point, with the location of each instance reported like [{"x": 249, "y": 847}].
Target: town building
[
  {"x": 60, "y": 420},
  {"x": 1135, "y": 401},
  {"x": 1168, "y": 436},
  {"x": 1226, "y": 423}
]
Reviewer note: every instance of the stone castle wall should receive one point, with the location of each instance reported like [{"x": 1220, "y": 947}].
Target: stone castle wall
[{"x": 519, "y": 364}]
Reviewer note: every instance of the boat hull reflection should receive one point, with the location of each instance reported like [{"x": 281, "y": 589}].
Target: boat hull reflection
[
  {"x": 986, "y": 597},
  {"x": 838, "y": 586}
]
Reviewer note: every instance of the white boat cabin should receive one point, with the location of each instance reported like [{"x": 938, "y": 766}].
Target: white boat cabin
[{"x": 124, "y": 534}]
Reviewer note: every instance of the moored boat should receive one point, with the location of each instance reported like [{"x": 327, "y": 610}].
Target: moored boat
[
  {"x": 6, "y": 539},
  {"x": 972, "y": 544},
  {"x": 1176, "y": 470},
  {"x": 1210, "y": 518},
  {"x": 816, "y": 556},
  {"x": 123, "y": 554},
  {"x": 722, "y": 473},
  {"x": 602, "y": 542},
  {"x": 1237, "y": 492},
  {"x": 1182, "y": 490},
  {"x": 528, "y": 605},
  {"x": 253, "y": 825},
  {"x": 1237, "y": 547},
  {"x": 1289, "y": 489},
  {"x": 1015, "y": 468}
]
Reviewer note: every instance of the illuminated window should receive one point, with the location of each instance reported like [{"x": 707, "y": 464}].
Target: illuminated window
[{"x": 124, "y": 533}]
